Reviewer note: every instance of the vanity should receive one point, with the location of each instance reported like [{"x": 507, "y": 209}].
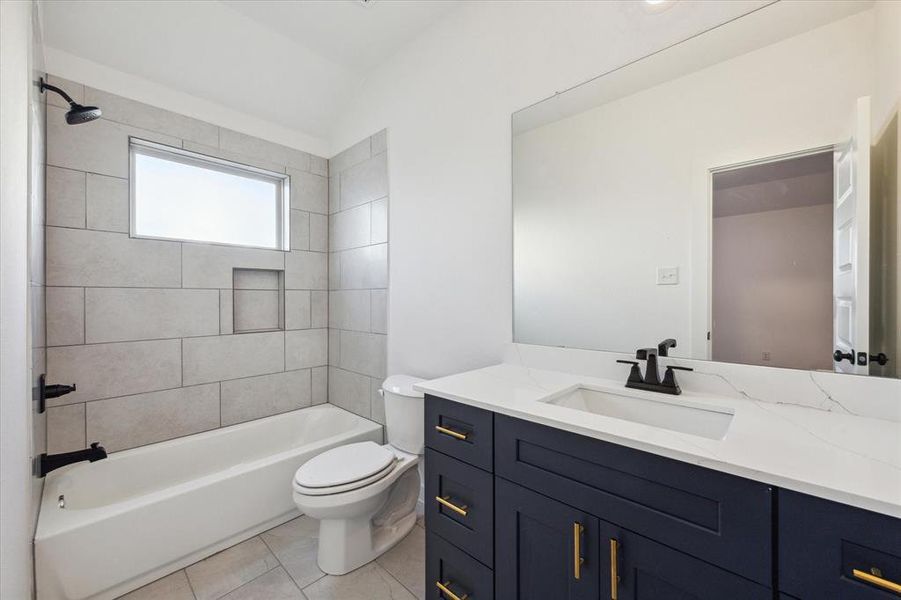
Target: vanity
[{"x": 524, "y": 498}]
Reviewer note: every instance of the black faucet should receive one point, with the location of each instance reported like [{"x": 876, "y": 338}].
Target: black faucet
[
  {"x": 49, "y": 462},
  {"x": 651, "y": 379}
]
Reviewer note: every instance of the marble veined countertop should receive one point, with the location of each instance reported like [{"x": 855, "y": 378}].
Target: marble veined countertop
[{"x": 842, "y": 457}]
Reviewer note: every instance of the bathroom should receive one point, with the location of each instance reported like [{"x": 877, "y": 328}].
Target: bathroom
[{"x": 365, "y": 299}]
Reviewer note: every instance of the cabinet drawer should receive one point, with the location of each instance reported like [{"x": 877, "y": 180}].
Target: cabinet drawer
[
  {"x": 719, "y": 518},
  {"x": 461, "y": 431},
  {"x": 451, "y": 489},
  {"x": 823, "y": 543},
  {"x": 455, "y": 571}
]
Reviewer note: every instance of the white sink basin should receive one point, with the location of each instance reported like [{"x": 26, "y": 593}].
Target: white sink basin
[{"x": 666, "y": 412}]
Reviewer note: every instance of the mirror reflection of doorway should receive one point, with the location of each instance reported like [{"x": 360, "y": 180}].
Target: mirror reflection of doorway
[{"x": 772, "y": 263}]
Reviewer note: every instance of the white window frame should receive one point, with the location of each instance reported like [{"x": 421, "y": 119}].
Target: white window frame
[{"x": 196, "y": 159}]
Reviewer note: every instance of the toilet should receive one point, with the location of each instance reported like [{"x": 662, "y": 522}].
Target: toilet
[{"x": 364, "y": 494}]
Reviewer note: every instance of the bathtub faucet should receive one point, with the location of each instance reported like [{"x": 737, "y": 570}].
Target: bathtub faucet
[{"x": 50, "y": 462}]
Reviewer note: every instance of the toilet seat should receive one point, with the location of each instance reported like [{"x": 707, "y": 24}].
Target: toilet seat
[{"x": 344, "y": 469}]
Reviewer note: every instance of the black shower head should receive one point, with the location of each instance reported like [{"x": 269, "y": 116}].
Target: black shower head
[
  {"x": 77, "y": 113},
  {"x": 81, "y": 114}
]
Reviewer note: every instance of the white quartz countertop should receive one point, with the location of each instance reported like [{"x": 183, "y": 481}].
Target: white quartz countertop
[{"x": 846, "y": 458}]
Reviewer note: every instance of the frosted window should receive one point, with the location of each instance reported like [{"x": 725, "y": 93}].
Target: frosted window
[{"x": 186, "y": 196}]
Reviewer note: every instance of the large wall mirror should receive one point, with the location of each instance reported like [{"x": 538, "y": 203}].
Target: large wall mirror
[{"x": 737, "y": 192}]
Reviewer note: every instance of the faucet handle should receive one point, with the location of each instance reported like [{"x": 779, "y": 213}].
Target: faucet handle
[
  {"x": 634, "y": 372},
  {"x": 675, "y": 368}
]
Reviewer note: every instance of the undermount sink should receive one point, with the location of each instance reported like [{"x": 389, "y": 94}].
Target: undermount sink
[{"x": 711, "y": 422}]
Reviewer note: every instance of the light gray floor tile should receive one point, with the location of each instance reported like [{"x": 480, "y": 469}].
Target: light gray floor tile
[
  {"x": 170, "y": 587},
  {"x": 274, "y": 585},
  {"x": 230, "y": 569},
  {"x": 295, "y": 544},
  {"x": 406, "y": 562},
  {"x": 369, "y": 582}
]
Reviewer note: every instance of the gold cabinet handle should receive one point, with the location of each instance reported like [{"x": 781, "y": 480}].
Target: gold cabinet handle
[
  {"x": 614, "y": 569},
  {"x": 445, "y": 501},
  {"x": 577, "y": 550},
  {"x": 450, "y": 432},
  {"x": 444, "y": 588},
  {"x": 875, "y": 577}
]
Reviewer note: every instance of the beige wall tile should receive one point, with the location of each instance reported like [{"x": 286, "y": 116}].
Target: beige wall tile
[
  {"x": 334, "y": 346},
  {"x": 209, "y": 266},
  {"x": 232, "y": 356},
  {"x": 349, "y": 309},
  {"x": 256, "y": 279},
  {"x": 256, "y": 397},
  {"x": 320, "y": 385},
  {"x": 318, "y": 165},
  {"x": 123, "y": 110},
  {"x": 306, "y": 270},
  {"x": 379, "y": 221},
  {"x": 363, "y": 353},
  {"x": 255, "y": 147},
  {"x": 78, "y": 257},
  {"x": 306, "y": 348},
  {"x": 350, "y": 157},
  {"x": 318, "y": 309},
  {"x": 123, "y": 314},
  {"x": 300, "y": 230},
  {"x": 364, "y": 182},
  {"x": 334, "y": 270},
  {"x": 380, "y": 142},
  {"x": 98, "y": 147},
  {"x": 350, "y": 228},
  {"x": 256, "y": 310},
  {"x": 309, "y": 192},
  {"x": 226, "y": 312},
  {"x": 65, "y": 316},
  {"x": 130, "y": 421},
  {"x": 65, "y": 428},
  {"x": 110, "y": 370},
  {"x": 376, "y": 400},
  {"x": 319, "y": 232},
  {"x": 379, "y": 311},
  {"x": 349, "y": 390},
  {"x": 297, "y": 309},
  {"x": 107, "y": 203},
  {"x": 65, "y": 193},
  {"x": 236, "y": 157},
  {"x": 334, "y": 194}
]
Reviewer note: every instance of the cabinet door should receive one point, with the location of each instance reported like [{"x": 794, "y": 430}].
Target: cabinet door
[
  {"x": 543, "y": 549},
  {"x": 642, "y": 569}
]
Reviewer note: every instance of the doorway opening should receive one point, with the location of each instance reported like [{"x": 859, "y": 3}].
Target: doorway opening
[{"x": 772, "y": 262}]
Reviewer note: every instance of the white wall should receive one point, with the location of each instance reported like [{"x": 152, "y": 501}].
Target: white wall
[
  {"x": 606, "y": 197},
  {"x": 15, "y": 393},
  {"x": 446, "y": 100}
]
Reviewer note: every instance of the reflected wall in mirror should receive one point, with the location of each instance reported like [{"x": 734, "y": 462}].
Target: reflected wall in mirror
[{"x": 737, "y": 192}]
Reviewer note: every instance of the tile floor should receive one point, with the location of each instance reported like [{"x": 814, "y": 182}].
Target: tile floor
[{"x": 280, "y": 564}]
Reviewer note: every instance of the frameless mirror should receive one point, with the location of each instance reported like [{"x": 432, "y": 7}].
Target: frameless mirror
[{"x": 737, "y": 192}]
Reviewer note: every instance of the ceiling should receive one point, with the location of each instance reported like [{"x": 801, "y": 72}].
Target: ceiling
[{"x": 294, "y": 64}]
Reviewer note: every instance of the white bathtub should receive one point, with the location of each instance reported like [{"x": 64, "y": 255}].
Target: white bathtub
[{"x": 143, "y": 513}]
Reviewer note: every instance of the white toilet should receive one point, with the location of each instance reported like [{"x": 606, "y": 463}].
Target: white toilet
[{"x": 364, "y": 494}]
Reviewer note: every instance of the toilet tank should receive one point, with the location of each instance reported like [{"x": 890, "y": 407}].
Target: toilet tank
[{"x": 404, "y": 413}]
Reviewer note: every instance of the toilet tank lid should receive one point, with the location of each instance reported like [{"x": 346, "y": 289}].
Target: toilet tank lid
[{"x": 402, "y": 385}]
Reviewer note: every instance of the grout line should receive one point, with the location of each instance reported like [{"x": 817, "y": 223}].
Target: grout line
[{"x": 190, "y": 585}]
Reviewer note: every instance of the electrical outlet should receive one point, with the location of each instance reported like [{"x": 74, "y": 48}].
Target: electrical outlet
[{"x": 667, "y": 275}]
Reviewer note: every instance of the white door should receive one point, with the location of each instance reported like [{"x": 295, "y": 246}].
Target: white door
[{"x": 850, "y": 243}]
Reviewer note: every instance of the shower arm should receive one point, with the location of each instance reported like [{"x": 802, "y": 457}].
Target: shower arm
[{"x": 53, "y": 88}]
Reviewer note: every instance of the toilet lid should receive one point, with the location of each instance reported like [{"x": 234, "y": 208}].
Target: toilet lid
[{"x": 344, "y": 465}]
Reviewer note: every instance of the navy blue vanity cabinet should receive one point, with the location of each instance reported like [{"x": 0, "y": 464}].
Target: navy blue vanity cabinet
[
  {"x": 545, "y": 549},
  {"x": 830, "y": 550}
]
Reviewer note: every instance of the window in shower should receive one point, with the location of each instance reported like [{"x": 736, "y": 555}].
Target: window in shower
[{"x": 187, "y": 196}]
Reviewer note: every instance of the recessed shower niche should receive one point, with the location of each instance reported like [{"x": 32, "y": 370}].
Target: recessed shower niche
[{"x": 258, "y": 300}]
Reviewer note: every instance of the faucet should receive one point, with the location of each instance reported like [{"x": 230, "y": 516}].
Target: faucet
[
  {"x": 49, "y": 462},
  {"x": 651, "y": 379}
]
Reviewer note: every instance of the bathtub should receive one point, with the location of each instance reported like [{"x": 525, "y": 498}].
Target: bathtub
[{"x": 109, "y": 527}]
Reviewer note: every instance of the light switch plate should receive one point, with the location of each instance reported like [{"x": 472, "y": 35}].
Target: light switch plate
[{"x": 667, "y": 275}]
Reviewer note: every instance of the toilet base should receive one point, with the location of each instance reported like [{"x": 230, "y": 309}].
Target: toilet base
[{"x": 348, "y": 544}]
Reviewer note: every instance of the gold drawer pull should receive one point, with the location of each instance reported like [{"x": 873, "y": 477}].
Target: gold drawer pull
[
  {"x": 614, "y": 569},
  {"x": 875, "y": 577},
  {"x": 444, "y": 588},
  {"x": 445, "y": 501},
  {"x": 577, "y": 550},
  {"x": 450, "y": 432}
]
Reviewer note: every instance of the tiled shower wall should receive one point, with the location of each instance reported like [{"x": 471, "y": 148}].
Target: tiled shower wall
[
  {"x": 358, "y": 276},
  {"x": 144, "y": 327}
]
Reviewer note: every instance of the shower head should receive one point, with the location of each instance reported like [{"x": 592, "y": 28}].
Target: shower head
[{"x": 77, "y": 113}]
